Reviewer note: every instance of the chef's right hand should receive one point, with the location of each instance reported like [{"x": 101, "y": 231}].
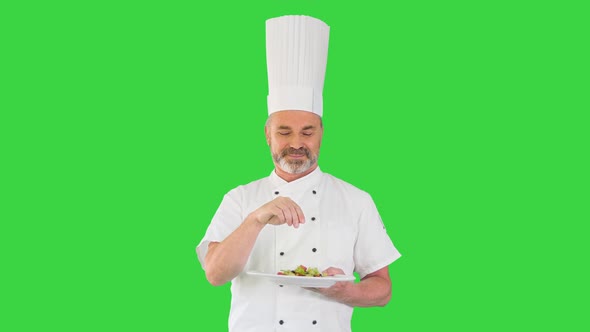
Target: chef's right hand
[{"x": 281, "y": 210}]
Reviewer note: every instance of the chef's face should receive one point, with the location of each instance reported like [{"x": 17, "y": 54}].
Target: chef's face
[{"x": 294, "y": 138}]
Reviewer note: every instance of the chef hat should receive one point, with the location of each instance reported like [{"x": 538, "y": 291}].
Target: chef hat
[{"x": 296, "y": 55}]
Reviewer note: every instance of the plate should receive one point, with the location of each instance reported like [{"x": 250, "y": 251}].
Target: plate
[{"x": 316, "y": 282}]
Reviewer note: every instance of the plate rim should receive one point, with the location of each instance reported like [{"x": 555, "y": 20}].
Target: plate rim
[{"x": 278, "y": 277}]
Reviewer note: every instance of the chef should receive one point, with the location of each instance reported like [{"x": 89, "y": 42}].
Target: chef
[{"x": 298, "y": 215}]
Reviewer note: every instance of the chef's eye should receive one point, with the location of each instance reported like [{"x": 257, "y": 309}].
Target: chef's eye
[
  {"x": 284, "y": 133},
  {"x": 307, "y": 133}
]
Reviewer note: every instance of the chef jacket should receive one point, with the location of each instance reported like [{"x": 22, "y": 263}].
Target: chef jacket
[{"x": 343, "y": 229}]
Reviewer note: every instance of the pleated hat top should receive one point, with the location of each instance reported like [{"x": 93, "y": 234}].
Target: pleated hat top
[{"x": 296, "y": 58}]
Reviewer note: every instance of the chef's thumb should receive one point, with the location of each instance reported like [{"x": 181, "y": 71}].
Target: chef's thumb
[{"x": 332, "y": 271}]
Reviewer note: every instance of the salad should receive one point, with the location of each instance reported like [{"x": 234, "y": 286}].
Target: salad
[{"x": 301, "y": 271}]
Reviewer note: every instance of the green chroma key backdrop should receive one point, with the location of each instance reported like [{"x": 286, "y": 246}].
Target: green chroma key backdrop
[{"x": 123, "y": 124}]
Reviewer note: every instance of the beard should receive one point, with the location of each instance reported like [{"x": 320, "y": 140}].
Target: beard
[{"x": 296, "y": 166}]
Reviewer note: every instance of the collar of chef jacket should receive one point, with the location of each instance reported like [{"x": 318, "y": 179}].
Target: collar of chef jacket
[{"x": 311, "y": 179}]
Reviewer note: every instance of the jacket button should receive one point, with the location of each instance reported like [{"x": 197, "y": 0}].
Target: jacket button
[
  {"x": 281, "y": 322},
  {"x": 314, "y": 322},
  {"x": 314, "y": 250},
  {"x": 276, "y": 192},
  {"x": 312, "y": 218},
  {"x": 281, "y": 253},
  {"x": 314, "y": 192}
]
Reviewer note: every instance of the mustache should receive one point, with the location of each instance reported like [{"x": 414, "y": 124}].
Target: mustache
[{"x": 301, "y": 151}]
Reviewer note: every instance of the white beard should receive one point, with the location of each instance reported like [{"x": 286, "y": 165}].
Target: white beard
[{"x": 296, "y": 167}]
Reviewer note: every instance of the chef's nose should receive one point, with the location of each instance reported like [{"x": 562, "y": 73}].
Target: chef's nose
[{"x": 296, "y": 142}]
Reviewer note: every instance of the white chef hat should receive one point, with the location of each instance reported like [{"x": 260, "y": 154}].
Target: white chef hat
[{"x": 296, "y": 56}]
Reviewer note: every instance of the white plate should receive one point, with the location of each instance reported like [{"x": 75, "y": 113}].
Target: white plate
[{"x": 316, "y": 282}]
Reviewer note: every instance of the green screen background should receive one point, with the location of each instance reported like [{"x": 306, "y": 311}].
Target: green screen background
[{"x": 123, "y": 124}]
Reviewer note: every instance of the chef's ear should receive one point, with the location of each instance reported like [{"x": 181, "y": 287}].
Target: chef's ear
[{"x": 267, "y": 134}]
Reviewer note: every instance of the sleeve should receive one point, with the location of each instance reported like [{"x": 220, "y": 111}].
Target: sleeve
[
  {"x": 374, "y": 248},
  {"x": 227, "y": 218}
]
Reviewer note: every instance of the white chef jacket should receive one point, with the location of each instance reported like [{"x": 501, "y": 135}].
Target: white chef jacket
[{"x": 343, "y": 229}]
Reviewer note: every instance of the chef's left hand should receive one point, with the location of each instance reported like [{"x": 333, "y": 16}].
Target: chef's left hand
[
  {"x": 336, "y": 291},
  {"x": 374, "y": 289}
]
